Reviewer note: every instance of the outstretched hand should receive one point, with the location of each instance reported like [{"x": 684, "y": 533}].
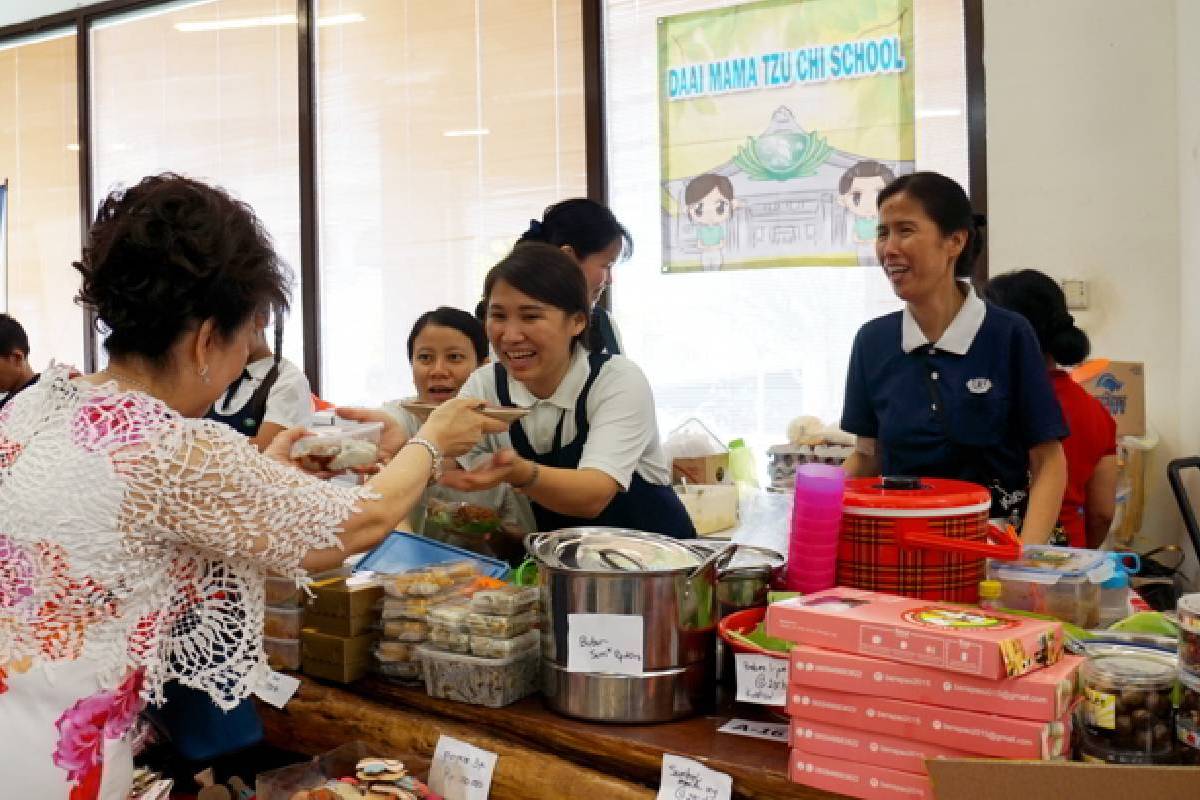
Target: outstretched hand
[{"x": 495, "y": 471}]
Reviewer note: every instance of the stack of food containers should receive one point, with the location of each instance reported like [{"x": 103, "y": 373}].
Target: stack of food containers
[
  {"x": 409, "y": 597},
  {"x": 878, "y": 684},
  {"x": 1063, "y": 582},
  {"x": 281, "y": 625},
  {"x": 483, "y": 650}
]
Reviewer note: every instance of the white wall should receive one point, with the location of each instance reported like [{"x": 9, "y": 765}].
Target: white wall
[{"x": 1085, "y": 145}]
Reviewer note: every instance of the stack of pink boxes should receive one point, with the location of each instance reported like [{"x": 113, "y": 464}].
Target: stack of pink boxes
[{"x": 878, "y": 684}]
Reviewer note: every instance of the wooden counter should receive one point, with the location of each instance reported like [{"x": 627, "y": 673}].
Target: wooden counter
[{"x": 542, "y": 755}]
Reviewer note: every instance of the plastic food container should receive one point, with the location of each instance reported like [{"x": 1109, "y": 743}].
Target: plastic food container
[
  {"x": 417, "y": 583},
  {"x": 1188, "y": 610},
  {"x": 406, "y": 630},
  {"x": 487, "y": 647},
  {"x": 1187, "y": 720},
  {"x": 409, "y": 607},
  {"x": 1063, "y": 582},
  {"x": 283, "y": 623},
  {"x": 282, "y": 653},
  {"x": 283, "y": 592},
  {"x": 507, "y": 601},
  {"x": 449, "y": 616},
  {"x": 400, "y": 670},
  {"x": 395, "y": 651},
  {"x": 1127, "y": 705},
  {"x": 339, "y": 447},
  {"x": 501, "y": 627},
  {"x": 449, "y": 639},
  {"x": 467, "y": 519},
  {"x": 480, "y": 681}
]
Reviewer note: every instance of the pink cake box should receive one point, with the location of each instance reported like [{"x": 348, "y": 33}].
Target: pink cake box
[
  {"x": 944, "y": 636},
  {"x": 857, "y": 780},
  {"x": 969, "y": 731},
  {"x": 867, "y": 747},
  {"x": 1042, "y": 696}
]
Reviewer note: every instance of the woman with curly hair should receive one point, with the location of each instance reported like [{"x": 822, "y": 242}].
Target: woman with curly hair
[{"x": 135, "y": 536}]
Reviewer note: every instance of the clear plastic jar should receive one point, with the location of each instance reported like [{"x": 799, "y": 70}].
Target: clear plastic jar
[{"x": 1127, "y": 707}]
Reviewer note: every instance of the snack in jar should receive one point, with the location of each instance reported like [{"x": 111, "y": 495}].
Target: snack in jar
[
  {"x": 1127, "y": 706},
  {"x": 508, "y": 600},
  {"x": 487, "y": 647},
  {"x": 499, "y": 627}
]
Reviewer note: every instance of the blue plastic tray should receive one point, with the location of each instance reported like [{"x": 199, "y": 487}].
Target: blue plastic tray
[{"x": 402, "y": 551}]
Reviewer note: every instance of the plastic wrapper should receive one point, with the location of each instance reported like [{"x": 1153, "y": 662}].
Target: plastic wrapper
[
  {"x": 499, "y": 627},
  {"x": 449, "y": 639},
  {"x": 450, "y": 616},
  {"x": 480, "y": 681},
  {"x": 406, "y": 630},
  {"x": 395, "y": 651},
  {"x": 339, "y": 447},
  {"x": 508, "y": 600},
  {"x": 487, "y": 647}
]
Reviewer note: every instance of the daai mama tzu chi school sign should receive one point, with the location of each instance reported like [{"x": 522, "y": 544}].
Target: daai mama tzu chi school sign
[{"x": 816, "y": 64}]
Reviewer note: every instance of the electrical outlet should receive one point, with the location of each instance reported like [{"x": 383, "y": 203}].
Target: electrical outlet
[{"x": 1076, "y": 291}]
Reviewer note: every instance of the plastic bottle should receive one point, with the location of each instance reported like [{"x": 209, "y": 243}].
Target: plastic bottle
[
  {"x": 741, "y": 465},
  {"x": 1114, "y": 594},
  {"x": 989, "y": 594}
]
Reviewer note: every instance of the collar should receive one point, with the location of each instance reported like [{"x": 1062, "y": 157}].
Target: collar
[
  {"x": 259, "y": 369},
  {"x": 567, "y": 393},
  {"x": 958, "y": 337}
]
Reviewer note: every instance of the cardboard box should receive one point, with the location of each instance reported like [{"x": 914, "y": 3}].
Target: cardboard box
[
  {"x": 701, "y": 469},
  {"x": 342, "y": 610},
  {"x": 968, "y": 731},
  {"x": 336, "y": 658},
  {"x": 857, "y": 780},
  {"x": 1121, "y": 388},
  {"x": 940, "y": 635},
  {"x": 954, "y": 779},
  {"x": 1042, "y": 696},
  {"x": 867, "y": 747}
]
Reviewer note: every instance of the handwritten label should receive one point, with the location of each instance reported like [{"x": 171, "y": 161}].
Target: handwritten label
[
  {"x": 684, "y": 779},
  {"x": 761, "y": 679},
  {"x": 461, "y": 771},
  {"x": 771, "y": 731},
  {"x": 277, "y": 688},
  {"x": 605, "y": 643}
]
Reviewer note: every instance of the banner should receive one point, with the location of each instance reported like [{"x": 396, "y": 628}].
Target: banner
[{"x": 780, "y": 123}]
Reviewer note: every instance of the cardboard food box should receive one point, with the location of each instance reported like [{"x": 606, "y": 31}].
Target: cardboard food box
[
  {"x": 939, "y": 635},
  {"x": 968, "y": 731},
  {"x": 340, "y": 609},
  {"x": 1121, "y": 388},
  {"x": 1042, "y": 696},
  {"x": 337, "y": 658},
  {"x": 867, "y": 747},
  {"x": 701, "y": 469},
  {"x": 857, "y": 780},
  {"x": 1008, "y": 780}
]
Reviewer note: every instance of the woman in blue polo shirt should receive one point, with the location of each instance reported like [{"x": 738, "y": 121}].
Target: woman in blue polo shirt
[{"x": 951, "y": 386}]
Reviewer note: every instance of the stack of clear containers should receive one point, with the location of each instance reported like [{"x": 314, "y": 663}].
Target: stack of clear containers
[
  {"x": 282, "y": 622},
  {"x": 816, "y": 524},
  {"x": 409, "y": 598}
]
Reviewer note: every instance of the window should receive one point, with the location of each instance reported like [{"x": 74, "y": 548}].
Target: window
[
  {"x": 39, "y": 161},
  {"x": 208, "y": 90},
  {"x": 443, "y": 128},
  {"x": 747, "y": 351}
]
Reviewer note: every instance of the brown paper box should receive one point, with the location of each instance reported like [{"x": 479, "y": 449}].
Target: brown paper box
[
  {"x": 335, "y": 658},
  {"x": 340, "y": 610},
  {"x": 701, "y": 469},
  {"x": 1121, "y": 388},
  {"x": 973, "y": 779}
]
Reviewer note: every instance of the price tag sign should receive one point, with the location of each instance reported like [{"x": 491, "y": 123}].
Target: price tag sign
[
  {"x": 605, "y": 643},
  {"x": 761, "y": 679},
  {"x": 771, "y": 731},
  {"x": 277, "y": 688},
  {"x": 461, "y": 771},
  {"x": 684, "y": 779}
]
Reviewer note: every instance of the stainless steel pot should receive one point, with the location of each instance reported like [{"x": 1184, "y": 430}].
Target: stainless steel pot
[{"x": 615, "y": 571}]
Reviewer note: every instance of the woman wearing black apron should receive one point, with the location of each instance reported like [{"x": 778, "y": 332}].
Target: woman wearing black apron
[{"x": 588, "y": 452}]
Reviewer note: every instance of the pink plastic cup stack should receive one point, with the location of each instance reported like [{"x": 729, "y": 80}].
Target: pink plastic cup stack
[{"x": 816, "y": 523}]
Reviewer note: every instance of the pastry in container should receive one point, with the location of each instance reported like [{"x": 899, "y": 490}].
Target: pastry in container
[
  {"x": 449, "y": 639},
  {"x": 395, "y": 651},
  {"x": 450, "y": 616},
  {"x": 492, "y": 682},
  {"x": 500, "y": 627},
  {"x": 487, "y": 647},
  {"x": 282, "y": 653},
  {"x": 283, "y": 592},
  {"x": 406, "y": 630},
  {"x": 508, "y": 600},
  {"x": 283, "y": 623}
]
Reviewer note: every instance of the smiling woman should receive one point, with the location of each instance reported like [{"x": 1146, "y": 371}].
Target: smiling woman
[{"x": 588, "y": 452}]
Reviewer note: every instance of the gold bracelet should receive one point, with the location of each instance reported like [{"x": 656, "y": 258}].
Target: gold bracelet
[{"x": 537, "y": 468}]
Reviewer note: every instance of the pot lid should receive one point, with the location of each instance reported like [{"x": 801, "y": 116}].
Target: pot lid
[
  {"x": 879, "y": 496},
  {"x": 613, "y": 550}
]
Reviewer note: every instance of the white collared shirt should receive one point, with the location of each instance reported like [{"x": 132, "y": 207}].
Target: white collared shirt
[
  {"x": 289, "y": 402},
  {"x": 623, "y": 436},
  {"x": 958, "y": 336}
]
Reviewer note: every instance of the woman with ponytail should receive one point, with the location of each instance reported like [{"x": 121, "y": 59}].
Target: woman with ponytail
[
  {"x": 1089, "y": 501},
  {"x": 951, "y": 386},
  {"x": 589, "y": 233}
]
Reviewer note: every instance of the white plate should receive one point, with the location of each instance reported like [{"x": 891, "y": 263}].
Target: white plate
[{"x": 422, "y": 411}]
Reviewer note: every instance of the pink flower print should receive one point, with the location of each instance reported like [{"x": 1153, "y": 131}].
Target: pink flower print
[
  {"x": 16, "y": 573},
  {"x": 111, "y": 421},
  {"x": 126, "y": 705},
  {"x": 81, "y": 735}
]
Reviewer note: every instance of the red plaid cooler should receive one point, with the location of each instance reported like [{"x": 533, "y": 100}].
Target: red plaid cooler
[{"x": 919, "y": 537}]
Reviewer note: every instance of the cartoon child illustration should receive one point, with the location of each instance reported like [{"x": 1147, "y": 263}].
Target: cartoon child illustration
[
  {"x": 710, "y": 205},
  {"x": 858, "y": 190}
]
